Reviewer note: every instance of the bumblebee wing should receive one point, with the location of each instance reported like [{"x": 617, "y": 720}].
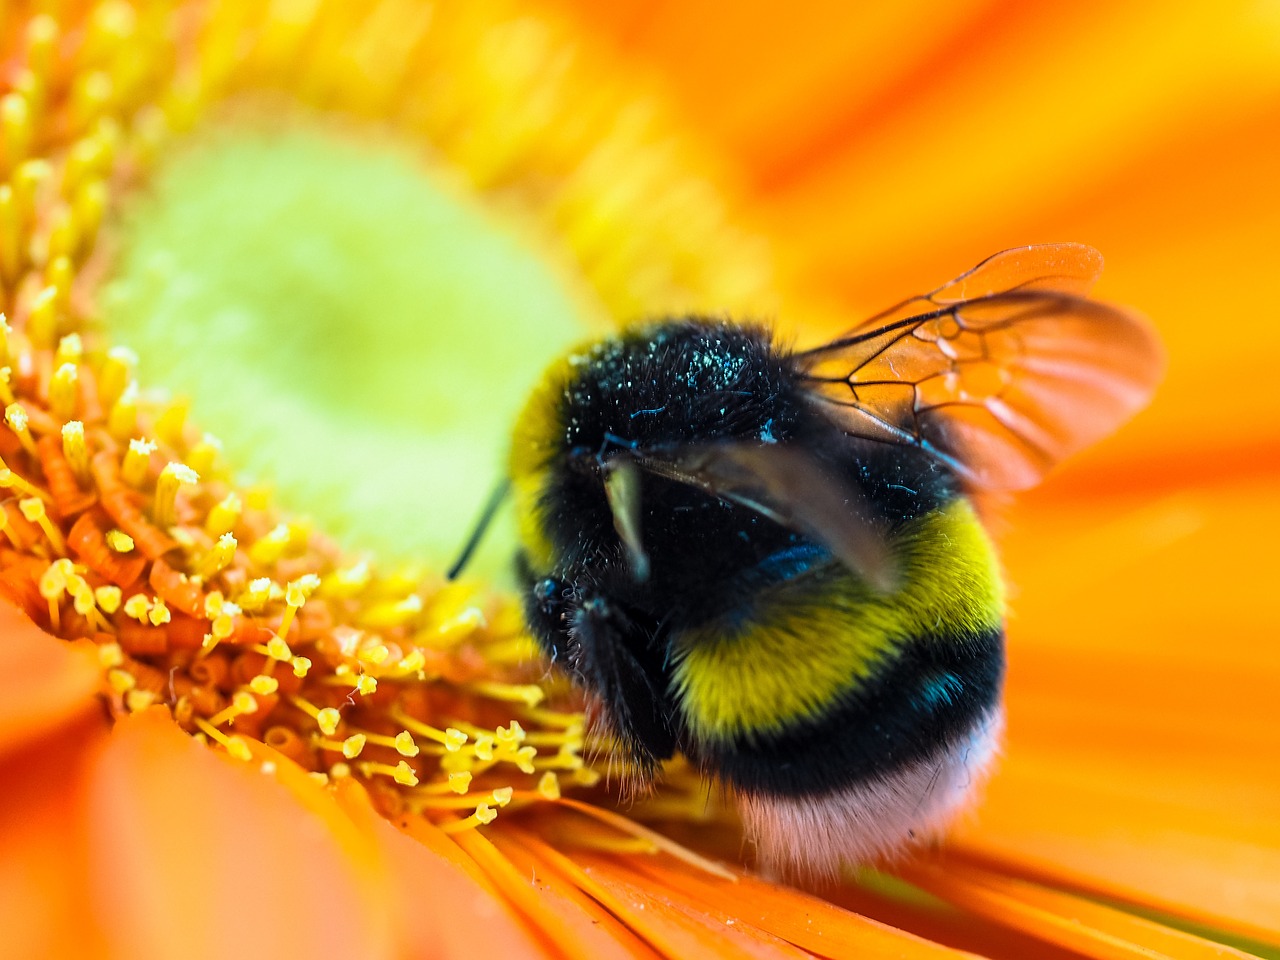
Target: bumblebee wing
[
  {"x": 1001, "y": 373},
  {"x": 792, "y": 488}
]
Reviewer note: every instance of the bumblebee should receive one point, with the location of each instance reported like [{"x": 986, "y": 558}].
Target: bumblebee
[{"x": 770, "y": 561}]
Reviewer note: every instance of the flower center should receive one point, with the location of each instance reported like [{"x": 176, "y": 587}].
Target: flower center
[{"x": 347, "y": 326}]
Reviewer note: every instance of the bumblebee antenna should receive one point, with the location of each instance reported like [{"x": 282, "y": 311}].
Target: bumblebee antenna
[{"x": 478, "y": 531}]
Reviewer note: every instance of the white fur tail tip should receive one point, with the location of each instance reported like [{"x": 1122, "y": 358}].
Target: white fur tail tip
[{"x": 815, "y": 838}]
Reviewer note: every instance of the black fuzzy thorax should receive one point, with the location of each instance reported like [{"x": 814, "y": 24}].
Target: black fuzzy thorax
[{"x": 688, "y": 382}]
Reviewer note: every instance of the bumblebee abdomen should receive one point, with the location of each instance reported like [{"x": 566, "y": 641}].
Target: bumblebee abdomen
[{"x": 823, "y": 682}]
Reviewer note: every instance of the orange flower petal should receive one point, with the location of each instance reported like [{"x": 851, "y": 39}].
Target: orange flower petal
[
  {"x": 43, "y": 681},
  {"x": 44, "y": 873},
  {"x": 797, "y": 917},
  {"x": 197, "y": 855},
  {"x": 1062, "y": 919},
  {"x": 446, "y": 907}
]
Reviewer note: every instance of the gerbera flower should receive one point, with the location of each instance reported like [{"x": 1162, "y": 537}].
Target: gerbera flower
[{"x": 223, "y": 732}]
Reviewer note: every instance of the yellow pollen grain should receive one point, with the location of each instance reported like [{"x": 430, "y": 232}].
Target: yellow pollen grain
[
  {"x": 33, "y": 509},
  {"x": 119, "y": 541},
  {"x": 63, "y": 387},
  {"x": 137, "y": 459},
  {"x": 122, "y": 420},
  {"x": 173, "y": 477},
  {"x": 108, "y": 597},
  {"x": 138, "y": 700},
  {"x": 549, "y": 786},
  {"x": 74, "y": 449},
  {"x": 115, "y": 375},
  {"x": 269, "y": 548},
  {"x": 16, "y": 418},
  {"x": 527, "y": 693},
  {"x": 159, "y": 613},
  {"x": 301, "y": 666},
  {"x": 233, "y": 745},
  {"x": 219, "y": 556},
  {"x": 327, "y": 720},
  {"x": 264, "y": 685},
  {"x": 460, "y": 782},
  {"x": 121, "y": 681},
  {"x": 110, "y": 655},
  {"x": 137, "y": 607}
]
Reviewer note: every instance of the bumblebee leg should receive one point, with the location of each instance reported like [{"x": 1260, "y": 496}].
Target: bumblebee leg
[{"x": 614, "y": 656}]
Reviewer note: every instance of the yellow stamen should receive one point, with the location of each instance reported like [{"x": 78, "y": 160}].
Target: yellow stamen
[
  {"x": 502, "y": 796},
  {"x": 16, "y": 418},
  {"x": 392, "y": 613},
  {"x": 43, "y": 318},
  {"x": 172, "y": 477},
  {"x": 452, "y": 738},
  {"x": 348, "y": 582},
  {"x": 233, "y": 745},
  {"x": 301, "y": 666},
  {"x": 119, "y": 541},
  {"x": 168, "y": 426},
  {"x": 219, "y": 557},
  {"x": 527, "y": 693},
  {"x": 33, "y": 509},
  {"x": 271, "y": 547},
  {"x": 401, "y": 773},
  {"x": 327, "y": 720},
  {"x": 136, "y": 461},
  {"x": 242, "y": 702},
  {"x": 70, "y": 350},
  {"x": 204, "y": 454},
  {"x": 122, "y": 421},
  {"x": 277, "y": 649},
  {"x": 116, "y": 375},
  {"x": 366, "y": 685},
  {"x": 353, "y": 745},
  {"x": 5, "y": 330},
  {"x": 121, "y": 681},
  {"x": 63, "y": 388},
  {"x": 10, "y": 480},
  {"x": 256, "y": 595},
  {"x": 483, "y": 815},
  {"x": 6, "y": 376},
  {"x": 74, "y": 449},
  {"x": 296, "y": 594}
]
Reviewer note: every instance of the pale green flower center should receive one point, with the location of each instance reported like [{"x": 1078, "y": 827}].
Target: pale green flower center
[{"x": 355, "y": 332}]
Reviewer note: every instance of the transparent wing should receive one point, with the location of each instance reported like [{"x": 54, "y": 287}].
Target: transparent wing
[
  {"x": 792, "y": 488},
  {"x": 1001, "y": 373}
]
